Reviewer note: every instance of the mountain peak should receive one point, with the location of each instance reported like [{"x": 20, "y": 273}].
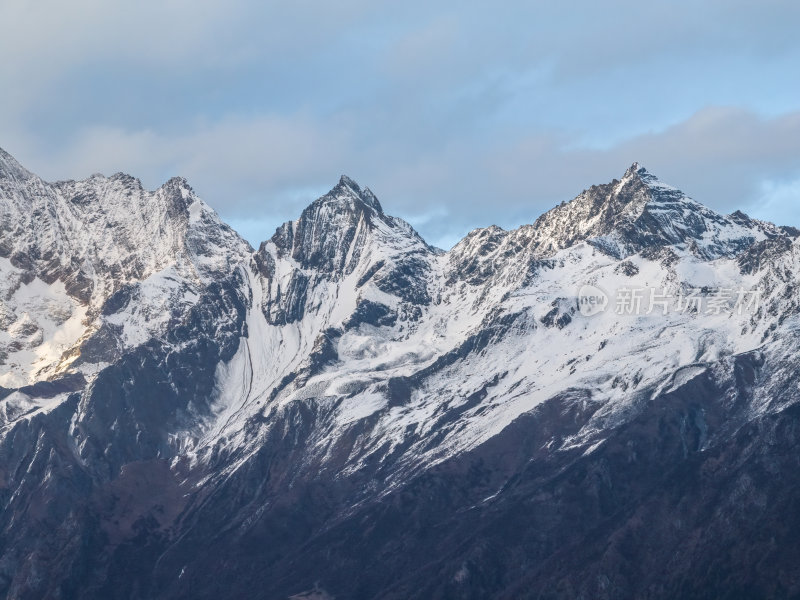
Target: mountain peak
[
  {"x": 177, "y": 182},
  {"x": 100, "y": 233},
  {"x": 346, "y": 181},
  {"x": 348, "y": 188},
  {"x": 11, "y": 169},
  {"x": 634, "y": 169},
  {"x": 335, "y": 230},
  {"x": 637, "y": 172},
  {"x": 638, "y": 211}
]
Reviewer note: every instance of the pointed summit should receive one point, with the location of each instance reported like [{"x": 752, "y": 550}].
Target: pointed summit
[
  {"x": 320, "y": 238},
  {"x": 633, "y": 170},
  {"x": 348, "y": 188},
  {"x": 637, "y": 172},
  {"x": 331, "y": 232},
  {"x": 11, "y": 169},
  {"x": 346, "y": 181},
  {"x": 639, "y": 211}
]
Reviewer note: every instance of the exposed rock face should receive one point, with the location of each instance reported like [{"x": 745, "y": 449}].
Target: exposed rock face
[{"x": 348, "y": 412}]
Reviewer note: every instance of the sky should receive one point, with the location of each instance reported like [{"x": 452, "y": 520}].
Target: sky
[{"x": 456, "y": 115}]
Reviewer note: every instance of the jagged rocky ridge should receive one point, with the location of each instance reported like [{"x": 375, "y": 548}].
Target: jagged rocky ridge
[{"x": 351, "y": 413}]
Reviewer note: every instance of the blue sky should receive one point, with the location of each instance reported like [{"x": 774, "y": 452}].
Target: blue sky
[{"x": 456, "y": 114}]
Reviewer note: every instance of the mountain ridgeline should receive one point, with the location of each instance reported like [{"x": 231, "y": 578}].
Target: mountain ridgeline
[{"x": 349, "y": 412}]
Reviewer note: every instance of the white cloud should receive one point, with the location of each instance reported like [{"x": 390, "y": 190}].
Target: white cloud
[{"x": 472, "y": 113}]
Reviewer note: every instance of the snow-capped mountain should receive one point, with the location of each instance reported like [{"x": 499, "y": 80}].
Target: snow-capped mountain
[
  {"x": 75, "y": 252},
  {"x": 349, "y": 412}
]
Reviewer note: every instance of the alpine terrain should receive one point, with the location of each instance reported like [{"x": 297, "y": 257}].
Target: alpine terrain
[{"x": 602, "y": 404}]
